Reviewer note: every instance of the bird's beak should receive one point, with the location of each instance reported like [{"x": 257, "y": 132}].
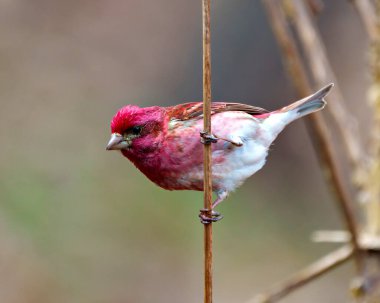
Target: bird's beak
[{"x": 117, "y": 141}]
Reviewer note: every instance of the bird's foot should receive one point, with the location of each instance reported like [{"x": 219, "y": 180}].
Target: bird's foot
[
  {"x": 205, "y": 219},
  {"x": 207, "y": 138}
]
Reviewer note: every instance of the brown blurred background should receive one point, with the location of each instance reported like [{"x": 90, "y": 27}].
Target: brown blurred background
[{"x": 79, "y": 224}]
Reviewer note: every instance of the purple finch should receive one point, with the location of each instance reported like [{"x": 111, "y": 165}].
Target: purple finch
[{"x": 164, "y": 143}]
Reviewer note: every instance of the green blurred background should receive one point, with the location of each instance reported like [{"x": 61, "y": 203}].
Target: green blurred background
[{"x": 79, "y": 224}]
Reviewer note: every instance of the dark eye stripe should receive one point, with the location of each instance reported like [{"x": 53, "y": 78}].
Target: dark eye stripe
[{"x": 136, "y": 130}]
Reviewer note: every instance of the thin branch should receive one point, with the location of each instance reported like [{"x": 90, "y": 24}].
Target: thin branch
[
  {"x": 318, "y": 128},
  {"x": 367, "y": 14},
  {"x": 207, "y": 149},
  {"x": 331, "y": 236},
  {"x": 306, "y": 275},
  {"x": 323, "y": 73},
  {"x": 368, "y": 241}
]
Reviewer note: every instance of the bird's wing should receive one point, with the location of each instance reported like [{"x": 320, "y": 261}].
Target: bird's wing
[{"x": 194, "y": 110}]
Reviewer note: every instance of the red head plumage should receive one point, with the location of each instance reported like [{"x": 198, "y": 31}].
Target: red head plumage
[
  {"x": 141, "y": 127},
  {"x": 132, "y": 115}
]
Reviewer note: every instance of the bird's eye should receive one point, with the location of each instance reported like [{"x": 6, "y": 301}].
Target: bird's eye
[
  {"x": 136, "y": 130},
  {"x": 132, "y": 132}
]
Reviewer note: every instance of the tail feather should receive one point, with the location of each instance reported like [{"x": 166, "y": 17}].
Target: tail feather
[
  {"x": 275, "y": 122},
  {"x": 309, "y": 104}
]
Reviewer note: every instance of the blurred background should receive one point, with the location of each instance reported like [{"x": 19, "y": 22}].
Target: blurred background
[{"x": 79, "y": 224}]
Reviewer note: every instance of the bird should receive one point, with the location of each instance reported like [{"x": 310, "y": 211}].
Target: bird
[{"x": 164, "y": 142}]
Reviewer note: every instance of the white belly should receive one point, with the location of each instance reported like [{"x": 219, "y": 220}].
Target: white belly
[
  {"x": 239, "y": 165},
  {"x": 232, "y": 164},
  {"x": 241, "y": 162}
]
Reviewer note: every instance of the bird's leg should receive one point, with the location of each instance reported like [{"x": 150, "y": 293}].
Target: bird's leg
[
  {"x": 215, "y": 216},
  {"x": 205, "y": 219},
  {"x": 235, "y": 140},
  {"x": 207, "y": 138},
  {"x": 222, "y": 194}
]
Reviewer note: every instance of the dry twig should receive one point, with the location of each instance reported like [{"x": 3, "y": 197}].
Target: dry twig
[
  {"x": 319, "y": 132},
  {"x": 323, "y": 73},
  {"x": 306, "y": 275}
]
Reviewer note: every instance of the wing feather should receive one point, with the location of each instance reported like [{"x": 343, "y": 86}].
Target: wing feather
[{"x": 194, "y": 110}]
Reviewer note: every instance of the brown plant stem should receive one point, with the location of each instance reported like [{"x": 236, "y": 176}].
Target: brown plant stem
[
  {"x": 368, "y": 241},
  {"x": 318, "y": 128},
  {"x": 322, "y": 74},
  {"x": 207, "y": 150},
  {"x": 370, "y": 14},
  {"x": 306, "y": 275},
  {"x": 370, "y": 197}
]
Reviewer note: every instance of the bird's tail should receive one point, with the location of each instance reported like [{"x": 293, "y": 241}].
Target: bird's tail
[
  {"x": 310, "y": 104},
  {"x": 275, "y": 122}
]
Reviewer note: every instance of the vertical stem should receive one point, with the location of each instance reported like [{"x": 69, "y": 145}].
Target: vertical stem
[
  {"x": 322, "y": 72},
  {"x": 207, "y": 149},
  {"x": 369, "y": 13},
  {"x": 319, "y": 132},
  {"x": 372, "y": 186}
]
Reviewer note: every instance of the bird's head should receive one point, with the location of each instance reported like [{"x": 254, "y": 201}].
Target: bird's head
[{"x": 136, "y": 130}]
